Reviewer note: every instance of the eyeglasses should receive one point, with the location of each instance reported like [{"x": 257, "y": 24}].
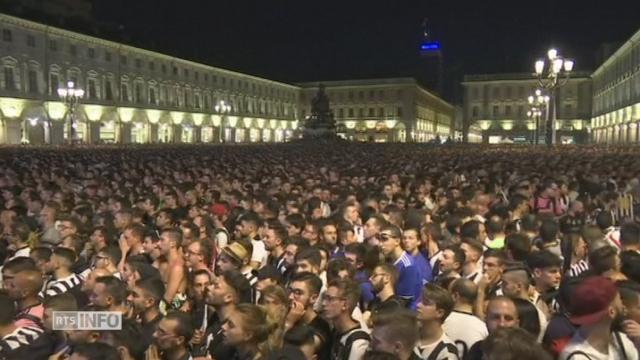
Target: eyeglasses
[
  {"x": 296, "y": 292},
  {"x": 385, "y": 236},
  {"x": 329, "y": 298}
]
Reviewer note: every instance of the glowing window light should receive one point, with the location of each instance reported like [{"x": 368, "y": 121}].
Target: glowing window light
[
  {"x": 94, "y": 112},
  {"x": 154, "y": 116},
  {"x": 176, "y": 117},
  {"x": 126, "y": 114}
]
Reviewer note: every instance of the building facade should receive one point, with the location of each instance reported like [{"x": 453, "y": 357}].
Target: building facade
[
  {"x": 384, "y": 110},
  {"x": 131, "y": 95},
  {"x": 616, "y": 96},
  {"x": 137, "y": 96},
  {"x": 498, "y": 105}
]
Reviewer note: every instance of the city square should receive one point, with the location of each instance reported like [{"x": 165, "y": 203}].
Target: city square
[{"x": 319, "y": 180}]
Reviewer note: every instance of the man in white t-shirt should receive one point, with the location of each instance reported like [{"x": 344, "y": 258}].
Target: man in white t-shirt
[
  {"x": 461, "y": 326},
  {"x": 596, "y": 307}
]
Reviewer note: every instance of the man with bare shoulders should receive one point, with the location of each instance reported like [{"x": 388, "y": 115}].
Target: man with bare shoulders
[{"x": 175, "y": 275}]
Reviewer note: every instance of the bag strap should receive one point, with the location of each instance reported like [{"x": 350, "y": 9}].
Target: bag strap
[
  {"x": 578, "y": 352},
  {"x": 619, "y": 340},
  {"x": 353, "y": 337}
]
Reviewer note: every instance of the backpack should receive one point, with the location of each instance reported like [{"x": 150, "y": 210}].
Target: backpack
[{"x": 353, "y": 337}]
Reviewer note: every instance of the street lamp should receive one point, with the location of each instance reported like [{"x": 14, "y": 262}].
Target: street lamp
[
  {"x": 71, "y": 97},
  {"x": 222, "y": 108},
  {"x": 553, "y": 73},
  {"x": 538, "y": 103}
]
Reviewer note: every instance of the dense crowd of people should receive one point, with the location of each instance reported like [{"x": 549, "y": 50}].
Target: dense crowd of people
[{"x": 322, "y": 251}]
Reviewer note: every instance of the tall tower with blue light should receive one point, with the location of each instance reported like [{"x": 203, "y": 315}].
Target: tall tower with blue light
[{"x": 432, "y": 72}]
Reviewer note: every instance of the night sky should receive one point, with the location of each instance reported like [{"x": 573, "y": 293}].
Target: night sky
[{"x": 307, "y": 40}]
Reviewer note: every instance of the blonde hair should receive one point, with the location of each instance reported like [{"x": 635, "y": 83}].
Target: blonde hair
[{"x": 264, "y": 334}]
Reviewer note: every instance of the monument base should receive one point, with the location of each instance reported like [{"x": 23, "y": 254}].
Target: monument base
[{"x": 321, "y": 133}]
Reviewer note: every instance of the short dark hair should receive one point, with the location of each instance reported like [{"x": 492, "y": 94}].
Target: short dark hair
[
  {"x": 113, "y": 253},
  {"x": 603, "y": 259},
  {"x": 549, "y": 230},
  {"x": 543, "y": 259},
  {"x": 61, "y": 302},
  {"x": 470, "y": 229},
  {"x": 115, "y": 287},
  {"x": 129, "y": 337},
  {"x": 136, "y": 230},
  {"x": 154, "y": 287},
  {"x": 18, "y": 264},
  {"x": 312, "y": 255},
  {"x": 630, "y": 234},
  {"x": 495, "y": 253},
  {"x": 313, "y": 281},
  {"x": 390, "y": 270},
  {"x": 335, "y": 266},
  {"x": 630, "y": 264},
  {"x": 519, "y": 245},
  {"x": 440, "y": 297},
  {"x": 239, "y": 284},
  {"x": 466, "y": 289},
  {"x": 184, "y": 327},
  {"x": 68, "y": 255},
  {"x": 401, "y": 326},
  {"x": 458, "y": 254},
  {"x": 96, "y": 351},
  {"x": 41, "y": 253},
  {"x": 349, "y": 289}
]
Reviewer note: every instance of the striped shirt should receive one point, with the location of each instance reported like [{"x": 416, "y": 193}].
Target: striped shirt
[
  {"x": 61, "y": 286},
  {"x": 253, "y": 280},
  {"x": 18, "y": 339},
  {"x": 578, "y": 268}
]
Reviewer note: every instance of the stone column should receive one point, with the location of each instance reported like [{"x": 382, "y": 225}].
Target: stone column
[
  {"x": 125, "y": 133},
  {"x": 57, "y": 132},
  {"x": 197, "y": 134},
  {"x": 93, "y": 132},
  {"x": 177, "y": 133}
]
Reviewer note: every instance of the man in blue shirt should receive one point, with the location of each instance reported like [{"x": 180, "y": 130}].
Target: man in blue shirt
[
  {"x": 411, "y": 243},
  {"x": 409, "y": 285}
]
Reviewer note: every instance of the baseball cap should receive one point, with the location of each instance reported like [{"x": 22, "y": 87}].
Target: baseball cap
[
  {"x": 269, "y": 272},
  {"x": 591, "y": 300}
]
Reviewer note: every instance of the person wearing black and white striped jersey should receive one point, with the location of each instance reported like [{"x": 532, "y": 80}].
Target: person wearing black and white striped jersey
[
  {"x": 18, "y": 342},
  {"x": 432, "y": 311},
  {"x": 63, "y": 279}
]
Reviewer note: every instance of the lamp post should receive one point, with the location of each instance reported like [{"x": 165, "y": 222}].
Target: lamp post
[
  {"x": 552, "y": 74},
  {"x": 538, "y": 103},
  {"x": 71, "y": 97},
  {"x": 222, "y": 108}
]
